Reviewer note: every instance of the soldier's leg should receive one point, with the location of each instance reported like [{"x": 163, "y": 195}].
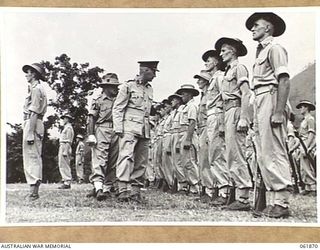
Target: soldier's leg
[
  {"x": 178, "y": 159},
  {"x": 110, "y": 180},
  {"x": 307, "y": 173},
  {"x": 64, "y": 164},
  {"x": 79, "y": 168},
  {"x": 218, "y": 164},
  {"x": 206, "y": 174},
  {"x": 235, "y": 154},
  {"x": 166, "y": 153},
  {"x": 140, "y": 164},
  {"x": 125, "y": 161},
  {"x": 189, "y": 163},
  {"x": 271, "y": 151}
]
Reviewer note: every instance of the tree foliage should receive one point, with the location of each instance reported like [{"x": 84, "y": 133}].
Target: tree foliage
[{"x": 73, "y": 83}]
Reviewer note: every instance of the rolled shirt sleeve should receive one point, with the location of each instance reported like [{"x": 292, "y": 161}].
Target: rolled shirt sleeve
[
  {"x": 278, "y": 58},
  {"x": 242, "y": 75},
  {"x": 192, "y": 112},
  {"x": 311, "y": 125},
  {"x": 37, "y": 99}
]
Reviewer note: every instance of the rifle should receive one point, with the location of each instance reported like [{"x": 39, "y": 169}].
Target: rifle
[
  {"x": 259, "y": 199},
  {"x": 294, "y": 173},
  {"x": 312, "y": 162}
]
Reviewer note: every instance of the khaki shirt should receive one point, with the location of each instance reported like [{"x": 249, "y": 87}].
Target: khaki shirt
[
  {"x": 188, "y": 112},
  {"x": 235, "y": 75},
  {"x": 80, "y": 148},
  {"x": 168, "y": 123},
  {"x": 132, "y": 107},
  {"x": 176, "y": 117},
  {"x": 101, "y": 109},
  {"x": 67, "y": 134},
  {"x": 214, "y": 99},
  {"x": 202, "y": 114},
  {"x": 307, "y": 126},
  {"x": 270, "y": 63},
  {"x": 36, "y": 101}
]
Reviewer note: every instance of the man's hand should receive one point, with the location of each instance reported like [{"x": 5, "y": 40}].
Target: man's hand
[
  {"x": 91, "y": 140},
  {"x": 276, "y": 120},
  {"x": 242, "y": 125},
  {"x": 30, "y": 139}
]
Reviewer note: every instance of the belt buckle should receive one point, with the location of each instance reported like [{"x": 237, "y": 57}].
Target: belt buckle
[{"x": 272, "y": 90}]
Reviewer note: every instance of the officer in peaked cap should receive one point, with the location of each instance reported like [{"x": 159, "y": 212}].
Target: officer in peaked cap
[
  {"x": 131, "y": 113},
  {"x": 271, "y": 85},
  {"x": 235, "y": 93},
  {"x": 102, "y": 139},
  {"x": 65, "y": 150},
  {"x": 34, "y": 108}
]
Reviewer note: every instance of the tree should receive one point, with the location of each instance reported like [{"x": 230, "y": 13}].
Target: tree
[
  {"x": 73, "y": 83},
  {"x": 15, "y": 171}
]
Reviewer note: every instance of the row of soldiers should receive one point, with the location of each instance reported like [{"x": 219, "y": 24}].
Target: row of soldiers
[{"x": 193, "y": 145}]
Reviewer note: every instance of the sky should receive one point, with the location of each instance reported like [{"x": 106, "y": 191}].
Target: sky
[{"x": 116, "y": 41}]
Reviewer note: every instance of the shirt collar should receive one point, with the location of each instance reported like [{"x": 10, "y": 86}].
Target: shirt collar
[
  {"x": 191, "y": 101},
  {"x": 104, "y": 96},
  {"x": 266, "y": 41},
  {"x": 34, "y": 83}
]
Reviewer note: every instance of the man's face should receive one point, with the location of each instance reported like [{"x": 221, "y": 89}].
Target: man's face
[
  {"x": 227, "y": 52},
  {"x": 111, "y": 90},
  {"x": 186, "y": 96},
  {"x": 202, "y": 83},
  {"x": 167, "y": 108},
  {"x": 147, "y": 74},
  {"x": 259, "y": 30},
  {"x": 211, "y": 63},
  {"x": 30, "y": 75},
  {"x": 304, "y": 109},
  {"x": 175, "y": 102}
]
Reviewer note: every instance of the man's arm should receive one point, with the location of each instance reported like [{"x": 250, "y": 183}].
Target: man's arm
[
  {"x": 243, "y": 83},
  {"x": 32, "y": 127}
]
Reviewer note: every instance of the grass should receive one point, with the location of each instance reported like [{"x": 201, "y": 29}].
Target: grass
[{"x": 72, "y": 205}]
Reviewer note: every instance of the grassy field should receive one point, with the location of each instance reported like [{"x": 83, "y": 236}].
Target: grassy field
[{"x": 71, "y": 205}]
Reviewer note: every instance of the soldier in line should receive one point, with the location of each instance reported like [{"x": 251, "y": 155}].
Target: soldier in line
[
  {"x": 131, "y": 113},
  {"x": 178, "y": 172},
  {"x": 103, "y": 140},
  {"x": 308, "y": 135},
  {"x": 65, "y": 151},
  {"x": 206, "y": 175},
  {"x": 188, "y": 143},
  {"x": 167, "y": 147},
  {"x": 35, "y": 108},
  {"x": 271, "y": 86},
  {"x": 79, "y": 158},
  {"x": 157, "y": 146},
  {"x": 236, "y": 94},
  {"x": 215, "y": 123}
]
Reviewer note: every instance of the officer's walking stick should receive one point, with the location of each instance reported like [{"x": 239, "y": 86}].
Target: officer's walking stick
[{"x": 294, "y": 173}]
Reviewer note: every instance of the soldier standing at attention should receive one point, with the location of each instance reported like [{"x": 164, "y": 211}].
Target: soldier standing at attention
[
  {"x": 131, "y": 113},
  {"x": 188, "y": 143},
  {"x": 178, "y": 172},
  {"x": 308, "y": 135},
  {"x": 206, "y": 175},
  {"x": 236, "y": 94},
  {"x": 35, "y": 108},
  {"x": 80, "y": 158},
  {"x": 215, "y": 124},
  {"x": 65, "y": 150},
  {"x": 102, "y": 139},
  {"x": 271, "y": 86}
]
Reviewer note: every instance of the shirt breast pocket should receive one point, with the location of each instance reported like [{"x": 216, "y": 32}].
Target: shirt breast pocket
[
  {"x": 137, "y": 98},
  {"x": 261, "y": 64}
]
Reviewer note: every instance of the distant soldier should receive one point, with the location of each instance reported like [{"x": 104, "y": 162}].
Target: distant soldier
[
  {"x": 215, "y": 124},
  {"x": 236, "y": 94},
  {"x": 79, "y": 158},
  {"x": 65, "y": 151},
  {"x": 103, "y": 140},
  {"x": 178, "y": 172},
  {"x": 131, "y": 113},
  {"x": 35, "y": 108},
  {"x": 308, "y": 136},
  {"x": 206, "y": 175},
  {"x": 189, "y": 140},
  {"x": 167, "y": 144},
  {"x": 271, "y": 86}
]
